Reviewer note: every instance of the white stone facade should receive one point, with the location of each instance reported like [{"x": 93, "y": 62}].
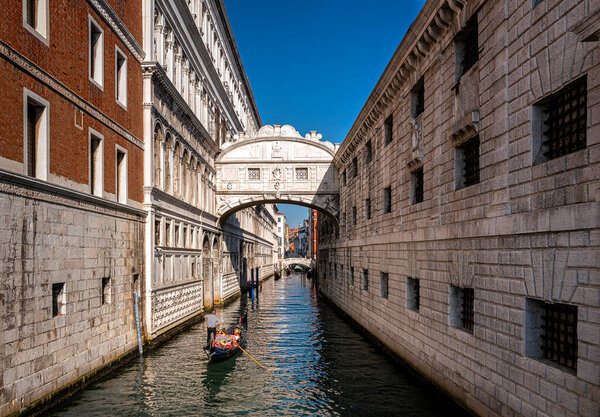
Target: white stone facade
[{"x": 417, "y": 240}]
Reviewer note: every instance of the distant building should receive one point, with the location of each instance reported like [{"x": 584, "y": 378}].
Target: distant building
[{"x": 281, "y": 233}]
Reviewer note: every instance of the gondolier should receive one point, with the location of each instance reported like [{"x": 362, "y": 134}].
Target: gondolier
[{"x": 212, "y": 322}]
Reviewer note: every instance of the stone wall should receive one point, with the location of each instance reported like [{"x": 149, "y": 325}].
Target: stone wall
[
  {"x": 526, "y": 233},
  {"x": 50, "y": 236}
]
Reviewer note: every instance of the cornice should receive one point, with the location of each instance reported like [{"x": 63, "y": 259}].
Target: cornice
[
  {"x": 110, "y": 17},
  {"x": 35, "y": 71},
  {"x": 28, "y": 187},
  {"x": 435, "y": 18},
  {"x": 588, "y": 28}
]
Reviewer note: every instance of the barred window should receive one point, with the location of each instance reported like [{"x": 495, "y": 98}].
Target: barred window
[
  {"x": 384, "y": 281},
  {"x": 388, "y": 130},
  {"x": 417, "y": 186},
  {"x": 254, "y": 174},
  {"x": 368, "y": 152},
  {"x": 461, "y": 308},
  {"x": 302, "y": 174},
  {"x": 351, "y": 275},
  {"x": 368, "y": 208},
  {"x": 387, "y": 199},
  {"x": 365, "y": 278},
  {"x": 551, "y": 332},
  {"x": 466, "y": 47},
  {"x": 413, "y": 296},
  {"x": 467, "y": 163},
  {"x": 559, "y": 122},
  {"x": 418, "y": 98},
  {"x": 354, "y": 215}
]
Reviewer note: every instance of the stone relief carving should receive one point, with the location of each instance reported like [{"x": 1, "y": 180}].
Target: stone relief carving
[
  {"x": 277, "y": 173},
  {"x": 416, "y": 133},
  {"x": 276, "y": 150}
]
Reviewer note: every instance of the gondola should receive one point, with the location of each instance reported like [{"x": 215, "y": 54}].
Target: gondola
[
  {"x": 288, "y": 271},
  {"x": 226, "y": 346},
  {"x": 277, "y": 275}
]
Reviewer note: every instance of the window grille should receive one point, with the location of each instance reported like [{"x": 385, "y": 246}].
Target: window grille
[
  {"x": 302, "y": 174},
  {"x": 388, "y": 129},
  {"x": 467, "y": 314},
  {"x": 417, "y": 186},
  {"x": 387, "y": 200},
  {"x": 559, "y": 337},
  {"x": 254, "y": 174},
  {"x": 384, "y": 285},
  {"x": 468, "y": 164},
  {"x": 467, "y": 46},
  {"x": 418, "y": 98},
  {"x": 368, "y": 208},
  {"x": 565, "y": 119},
  {"x": 365, "y": 279},
  {"x": 368, "y": 152},
  {"x": 413, "y": 296}
]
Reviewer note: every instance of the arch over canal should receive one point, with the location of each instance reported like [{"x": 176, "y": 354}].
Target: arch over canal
[{"x": 277, "y": 165}]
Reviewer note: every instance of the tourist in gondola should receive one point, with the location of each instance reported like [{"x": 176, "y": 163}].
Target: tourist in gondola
[{"x": 212, "y": 322}]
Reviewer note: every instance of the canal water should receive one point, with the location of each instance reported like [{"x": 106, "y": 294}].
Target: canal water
[{"x": 317, "y": 364}]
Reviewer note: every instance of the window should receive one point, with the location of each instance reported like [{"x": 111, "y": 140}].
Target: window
[
  {"x": 335, "y": 275},
  {"x": 344, "y": 178},
  {"x": 536, "y": 3},
  {"x": 35, "y": 18},
  {"x": 418, "y": 99},
  {"x": 388, "y": 130},
  {"x": 121, "y": 177},
  {"x": 368, "y": 153},
  {"x": 466, "y": 47},
  {"x": 96, "y": 163},
  {"x": 58, "y": 299},
  {"x": 301, "y": 174},
  {"x": 365, "y": 280},
  {"x": 96, "y": 44},
  {"x": 461, "y": 308},
  {"x": 387, "y": 200},
  {"x": 36, "y": 135},
  {"x": 383, "y": 287},
  {"x": 120, "y": 77},
  {"x": 368, "y": 208},
  {"x": 341, "y": 272},
  {"x": 351, "y": 275},
  {"x": 416, "y": 186},
  {"x": 413, "y": 296},
  {"x": 253, "y": 174},
  {"x": 467, "y": 163},
  {"x": 355, "y": 167},
  {"x": 354, "y": 215},
  {"x": 157, "y": 232},
  {"x": 177, "y": 236},
  {"x": 559, "y": 122},
  {"x": 551, "y": 332},
  {"x": 168, "y": 233},
  {"x": 279, "y": 219},
  {"x": 105, "y": 290}
]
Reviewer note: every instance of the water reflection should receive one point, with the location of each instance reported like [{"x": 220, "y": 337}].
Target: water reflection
[{"x": 316, "y": 365}]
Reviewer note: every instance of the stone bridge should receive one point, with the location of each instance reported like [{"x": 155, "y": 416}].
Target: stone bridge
[
  {"x": 305, "y": 262},
  {"x": 277, "y": 165}
]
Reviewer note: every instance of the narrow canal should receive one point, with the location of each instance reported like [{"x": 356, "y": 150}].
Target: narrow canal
[{"x": 316, "y": 364}]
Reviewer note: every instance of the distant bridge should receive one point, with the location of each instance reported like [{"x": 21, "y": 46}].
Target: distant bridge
[{"x": 303, "y": 262}]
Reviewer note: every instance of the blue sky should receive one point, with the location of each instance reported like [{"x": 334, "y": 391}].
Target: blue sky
[{"x": 312, "y": 64}]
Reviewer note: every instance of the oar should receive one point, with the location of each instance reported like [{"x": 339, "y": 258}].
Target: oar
[{"x": 236, "y": 343}]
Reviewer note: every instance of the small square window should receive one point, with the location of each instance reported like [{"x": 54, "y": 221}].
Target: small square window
[
  {"x": 354, "y": 215},
  {"x": 416, "y": 186},
  {"x": 560, "y": 122},
  {"x": 418, "y": 99},
  {"x": 368, "y": 153},
  {"x": 58, "y": 299},
  {"x": 302, "y": 174},
  {"x": 106, "y": 293},
  {"x": 387, "y": 200},
  {"x": 351, "y": 275},
  {"x": 368, "y": 208},
  {"x": 413, "y": 295},
  {"x": 388, "y": 126},
  {"x": 467, "y": 163},
  {"x": 466, "y": 47},
  {"x": 365, "y": 280},
  {"x": 461, "y": 308},
  {"x": 551, "y": 332},
  {"x": 384, "y": 282},
  {"x": 253, "y": 174}
]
